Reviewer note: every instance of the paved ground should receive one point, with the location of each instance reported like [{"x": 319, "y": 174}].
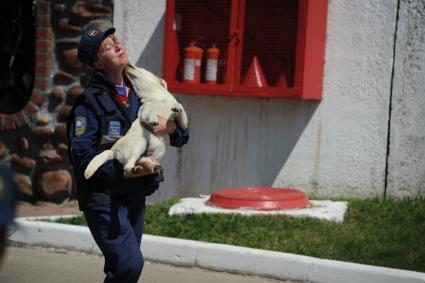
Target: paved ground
[
  {"x": 40, "y": 265},
  {"x": 37, "y": 265}
]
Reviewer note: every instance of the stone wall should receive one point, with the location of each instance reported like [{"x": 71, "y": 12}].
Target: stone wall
[{"x": 33, "y": 140}]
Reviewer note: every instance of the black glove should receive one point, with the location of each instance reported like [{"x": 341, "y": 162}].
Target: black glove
[{"x": 152, "y": 181}]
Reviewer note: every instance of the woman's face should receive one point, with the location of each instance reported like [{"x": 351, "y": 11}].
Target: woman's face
[{"x": 112, "y": 55}]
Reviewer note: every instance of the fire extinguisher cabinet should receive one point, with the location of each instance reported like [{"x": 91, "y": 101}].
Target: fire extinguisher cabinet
[{"x": 269, "y": 48}]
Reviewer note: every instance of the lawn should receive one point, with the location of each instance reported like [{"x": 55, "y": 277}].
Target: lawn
[{"x": 382, "y": 232}]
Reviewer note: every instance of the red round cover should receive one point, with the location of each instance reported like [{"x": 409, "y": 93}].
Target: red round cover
[{"x": 259, "y": 198}]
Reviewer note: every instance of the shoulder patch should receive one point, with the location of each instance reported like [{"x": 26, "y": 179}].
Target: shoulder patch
[{"x": 80, "y": 125}]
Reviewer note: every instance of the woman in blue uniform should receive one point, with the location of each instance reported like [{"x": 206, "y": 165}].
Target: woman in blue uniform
[{"x": 112, "y": 205}]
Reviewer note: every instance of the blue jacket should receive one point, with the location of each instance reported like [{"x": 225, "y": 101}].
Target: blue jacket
[{"x": 98, "y": 119}]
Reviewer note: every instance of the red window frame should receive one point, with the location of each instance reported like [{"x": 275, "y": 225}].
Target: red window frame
[{"x": 309, "y": 61}]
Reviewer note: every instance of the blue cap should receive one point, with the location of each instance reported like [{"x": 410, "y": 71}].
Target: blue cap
[
  {"x": 90, "y": 43},
  {"x": 8, "y": 195}
]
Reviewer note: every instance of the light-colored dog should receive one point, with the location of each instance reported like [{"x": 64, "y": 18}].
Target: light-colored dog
[{"x": 128, "y": 150}]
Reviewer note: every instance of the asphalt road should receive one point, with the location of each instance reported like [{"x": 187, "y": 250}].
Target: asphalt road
[{"x": 41, "y": 265}]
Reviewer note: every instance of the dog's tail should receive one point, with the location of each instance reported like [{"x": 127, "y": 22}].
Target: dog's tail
[{"x": 98, "y": 161}]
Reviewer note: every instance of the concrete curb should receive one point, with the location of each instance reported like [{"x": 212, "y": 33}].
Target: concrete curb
[{"x": 217, "y": 256}]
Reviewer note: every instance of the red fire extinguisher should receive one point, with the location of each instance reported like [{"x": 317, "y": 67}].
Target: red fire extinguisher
[
  {"x": 213, "y": 54},
  {"x": 192, "y": 63}
]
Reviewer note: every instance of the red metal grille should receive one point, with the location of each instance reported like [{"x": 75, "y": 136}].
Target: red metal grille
[{"x": 270, "y": 33}]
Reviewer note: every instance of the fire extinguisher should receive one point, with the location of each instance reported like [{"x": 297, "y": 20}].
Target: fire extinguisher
[
  {"x": 192, "y": 63},
  {"x": 213, "y": 54}
]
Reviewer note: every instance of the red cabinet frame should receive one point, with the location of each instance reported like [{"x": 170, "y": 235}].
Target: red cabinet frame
[{"x": 309, "y": 60}]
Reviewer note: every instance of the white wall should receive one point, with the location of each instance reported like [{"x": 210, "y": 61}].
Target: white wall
[
  {"x": 140, "y": 25},
  {"x": 407, "y": 145},
  {"x": 336, "y": 147},
  {"x": 343, "y": 150}
]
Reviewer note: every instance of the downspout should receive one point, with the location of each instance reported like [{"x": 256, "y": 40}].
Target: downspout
[{"x": 391, "y": 100}]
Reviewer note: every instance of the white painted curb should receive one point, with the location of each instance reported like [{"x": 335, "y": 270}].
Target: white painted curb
[{"x": 217, "y": 256}]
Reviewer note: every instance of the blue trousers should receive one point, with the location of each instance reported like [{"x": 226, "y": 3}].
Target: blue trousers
[{"x": 117, "y": 228}]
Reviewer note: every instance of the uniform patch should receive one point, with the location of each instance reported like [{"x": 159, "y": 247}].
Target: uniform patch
[
  {"x": 80, "y": 125},
  {"x": 114, "y": 129}
]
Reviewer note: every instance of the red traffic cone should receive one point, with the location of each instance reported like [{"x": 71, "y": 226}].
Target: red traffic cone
[
  {"x": 255, "y": 76},
  {"x": 282, "y": 82}
]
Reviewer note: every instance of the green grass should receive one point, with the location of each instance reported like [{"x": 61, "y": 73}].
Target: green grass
[{"x": 379, "y": 232}]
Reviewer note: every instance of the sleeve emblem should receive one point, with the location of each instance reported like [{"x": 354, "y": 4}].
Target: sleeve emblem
[{"x": 80, "y": 126}]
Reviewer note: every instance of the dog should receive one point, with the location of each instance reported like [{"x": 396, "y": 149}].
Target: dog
[{"x": 128, "y": 150}]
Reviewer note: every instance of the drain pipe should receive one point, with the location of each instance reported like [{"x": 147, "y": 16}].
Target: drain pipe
[{"x": 391, "y": 100}]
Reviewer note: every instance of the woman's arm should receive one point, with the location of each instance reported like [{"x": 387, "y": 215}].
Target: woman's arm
[{"x": 83, "y": 142}]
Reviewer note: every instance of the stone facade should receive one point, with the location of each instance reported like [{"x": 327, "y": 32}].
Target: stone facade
[{"x": 33, "y": 140}]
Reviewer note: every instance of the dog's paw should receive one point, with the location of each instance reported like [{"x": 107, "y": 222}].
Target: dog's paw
[
  {"x": 158, "y": 168},
  {"x": 153, "y": 123},
  {"x": 177, "y": 109},
  {"x": 137, "y": 170}
]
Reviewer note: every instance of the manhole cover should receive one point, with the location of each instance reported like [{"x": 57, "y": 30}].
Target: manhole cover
[{"x": 258, "y": 198}]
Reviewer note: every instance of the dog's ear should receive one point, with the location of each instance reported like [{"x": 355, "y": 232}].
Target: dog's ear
[{"x": 163, "y": 83}]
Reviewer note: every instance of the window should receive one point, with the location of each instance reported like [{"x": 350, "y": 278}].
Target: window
[{"x": 266, "y": 48}]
